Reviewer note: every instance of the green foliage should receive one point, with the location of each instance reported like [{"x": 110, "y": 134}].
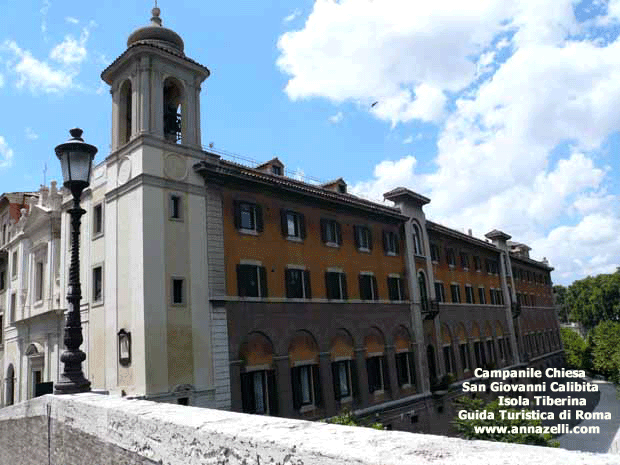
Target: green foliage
[
  {"x": 594, "y": 299},
  {"x": 559, "y": 293},
  {"x": 466, "y": 428},
  {"x": 606, "y": 343},
  {"x": 346, "y": 417},
  {"x": 574, "y": 348}
]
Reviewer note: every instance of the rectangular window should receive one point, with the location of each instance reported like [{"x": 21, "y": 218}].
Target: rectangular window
[
  {"x": 277, "y": 170},
  {"x": 450, "y": 256},
  {"x": 469, "y": 294},
  {"x": 477, "y": 263},
  {"x": 464, "y": 261},
  {"x": 248, "y": 216},
  {"x": 306, "y": 386},
  {"x": 376, "y": 374},
  {"x": 363, "y": 237},
  {"x": 13, "y": 308},
  {"x": 491, "y": 350},
  {"x": 331, "y": 232},
  {"x": 464, "y": 350},
  {"x": 455, "y": 292},
  {"x": 440, "y": 293},
  {"x": 14, "y": 265},
  {"x": 2, "y": 280},
  {"x": 492, "y": 294},
  {"x": 481, "y": 296},
  {"x": 293, "y": 224},
  {"x": 178, "y": 293},
  {"x": 258, "y": 392},
  {"x": 341, "y": 372},
  {"x": 395, "y": 288},
  {"x": 38, "y": 280},
  {"x": 251, "y": 281},
  {"x": 98, "y": 284},
  {"x": 390, "y": 243},
  {"x": 405, "y": 371},
  {"x": 297, "y": 283},
  {"x": 368, "y": 287},
  {"x": 175, "y": 207},
  {"x": 336, "y": 285},
  {"x": 448, "y": 359},
  {"x": 434, "y": 253},
  {"x": 98, "y": 219}
]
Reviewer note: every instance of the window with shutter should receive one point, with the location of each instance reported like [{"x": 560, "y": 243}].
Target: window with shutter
[
  {"x": 251, "y": 281},
  {"x": 297, "y": 283},
  {"x": 336, "y": 286}
]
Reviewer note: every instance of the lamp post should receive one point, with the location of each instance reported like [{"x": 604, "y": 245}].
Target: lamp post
[{"x": 76, "y": 158}]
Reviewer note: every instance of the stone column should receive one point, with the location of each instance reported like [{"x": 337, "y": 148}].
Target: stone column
[
  {"x": 285, "y": 390},
  {"x": 391, "y": 367},
  {"x": 235, "y": 387},
  {"x": 327, "y": 382},
  {"x": 362, "y": 376}
]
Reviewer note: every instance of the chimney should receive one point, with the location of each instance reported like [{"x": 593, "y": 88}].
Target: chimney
[{"x": 469, "y": 232}]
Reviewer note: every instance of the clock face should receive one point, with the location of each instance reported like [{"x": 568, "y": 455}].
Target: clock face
[
  {"x": 175, "y": 167},
  {"x": 124, "y": 171}
]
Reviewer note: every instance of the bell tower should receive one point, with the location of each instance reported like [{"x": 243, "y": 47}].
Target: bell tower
[
  {"x": 153, "y": 251},
  {"x": 155, "y": 88}
]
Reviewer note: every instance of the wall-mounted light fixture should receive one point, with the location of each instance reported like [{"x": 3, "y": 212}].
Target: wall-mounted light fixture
[{"x": 124, "y": 347}]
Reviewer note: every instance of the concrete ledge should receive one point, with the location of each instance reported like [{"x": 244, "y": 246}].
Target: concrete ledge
[{"x": 118, "y": 430}]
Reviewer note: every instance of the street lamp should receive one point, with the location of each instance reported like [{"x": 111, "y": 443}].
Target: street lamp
[{"x": 76, "y": 158}]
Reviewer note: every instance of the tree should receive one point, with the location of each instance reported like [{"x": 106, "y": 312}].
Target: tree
[
  {"x": 346, "y": 417},
  {"x": 574, "y": 348},
  {"x": 594, "y": 299},
  {"x": 559, "y": 294},
  {"x": 605, "y": 344},
  {"x": 467, "y": 428}
]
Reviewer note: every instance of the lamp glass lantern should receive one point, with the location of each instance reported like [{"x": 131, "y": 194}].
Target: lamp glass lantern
[
  {"x": 76, "y": 159},
  {"x": 124, "y": 347}
]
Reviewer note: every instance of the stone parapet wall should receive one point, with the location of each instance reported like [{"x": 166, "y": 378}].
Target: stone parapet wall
[{"x": 102, "y": 430}]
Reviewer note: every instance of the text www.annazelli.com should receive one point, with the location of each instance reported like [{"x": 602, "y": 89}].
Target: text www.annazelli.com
[{"x": 557, "y": 429}]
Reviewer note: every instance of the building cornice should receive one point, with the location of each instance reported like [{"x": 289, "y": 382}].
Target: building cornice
[{"x": 225, "y": 171}]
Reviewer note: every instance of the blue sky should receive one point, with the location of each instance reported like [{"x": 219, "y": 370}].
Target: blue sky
[{"x": 506, "y": 114}]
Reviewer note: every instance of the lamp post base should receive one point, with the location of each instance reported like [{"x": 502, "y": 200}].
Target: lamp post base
[{"x": 74, "y": 385}]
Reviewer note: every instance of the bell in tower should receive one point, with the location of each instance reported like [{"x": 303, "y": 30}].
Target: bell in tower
[{"x": 155, "y": 88}]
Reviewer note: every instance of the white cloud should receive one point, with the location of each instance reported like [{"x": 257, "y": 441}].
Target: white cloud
[
  {"x": 35, "y": 75},
  {"x": 408, "y": 140},
  {"x": 30, "y": 134},
  {"x": 70, "y": 51},
  {"x": 1, "y": 80},
  {"x": 337, "y": 118},
  {"x": 295, "y": 14},
  {"x": 6, "y": 153},
  {"x": 406, "y": 54},
  {"x": 387, "y": 175},
  {"x": 44, "y": 10},
  {"x": 72, "y": 20},
  {"x": 506, "y": 84}
]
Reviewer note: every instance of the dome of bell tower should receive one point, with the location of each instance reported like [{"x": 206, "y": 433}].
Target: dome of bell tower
[{"x": 157, "y": 34}]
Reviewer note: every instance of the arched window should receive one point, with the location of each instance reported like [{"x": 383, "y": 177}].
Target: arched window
[
  {"x": 376, "y": 364},
  {"x": 173, "y": 99},
  {"x": 432, "y": 368},
  {"x": 464, "y": 353},
  {"x": 405, "y": 364},
  {"x": 343, "y": 367},
  {"x": 304, "y": 357},
  {"x": 417, "y": 240},
  {"x": 258, "y": 384},
  {"x": 448, "y": 352},
  {"x": 423, "y": 293},
  {"x": 125, "y": 113},
  {"x": 10, "y": 385}
]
